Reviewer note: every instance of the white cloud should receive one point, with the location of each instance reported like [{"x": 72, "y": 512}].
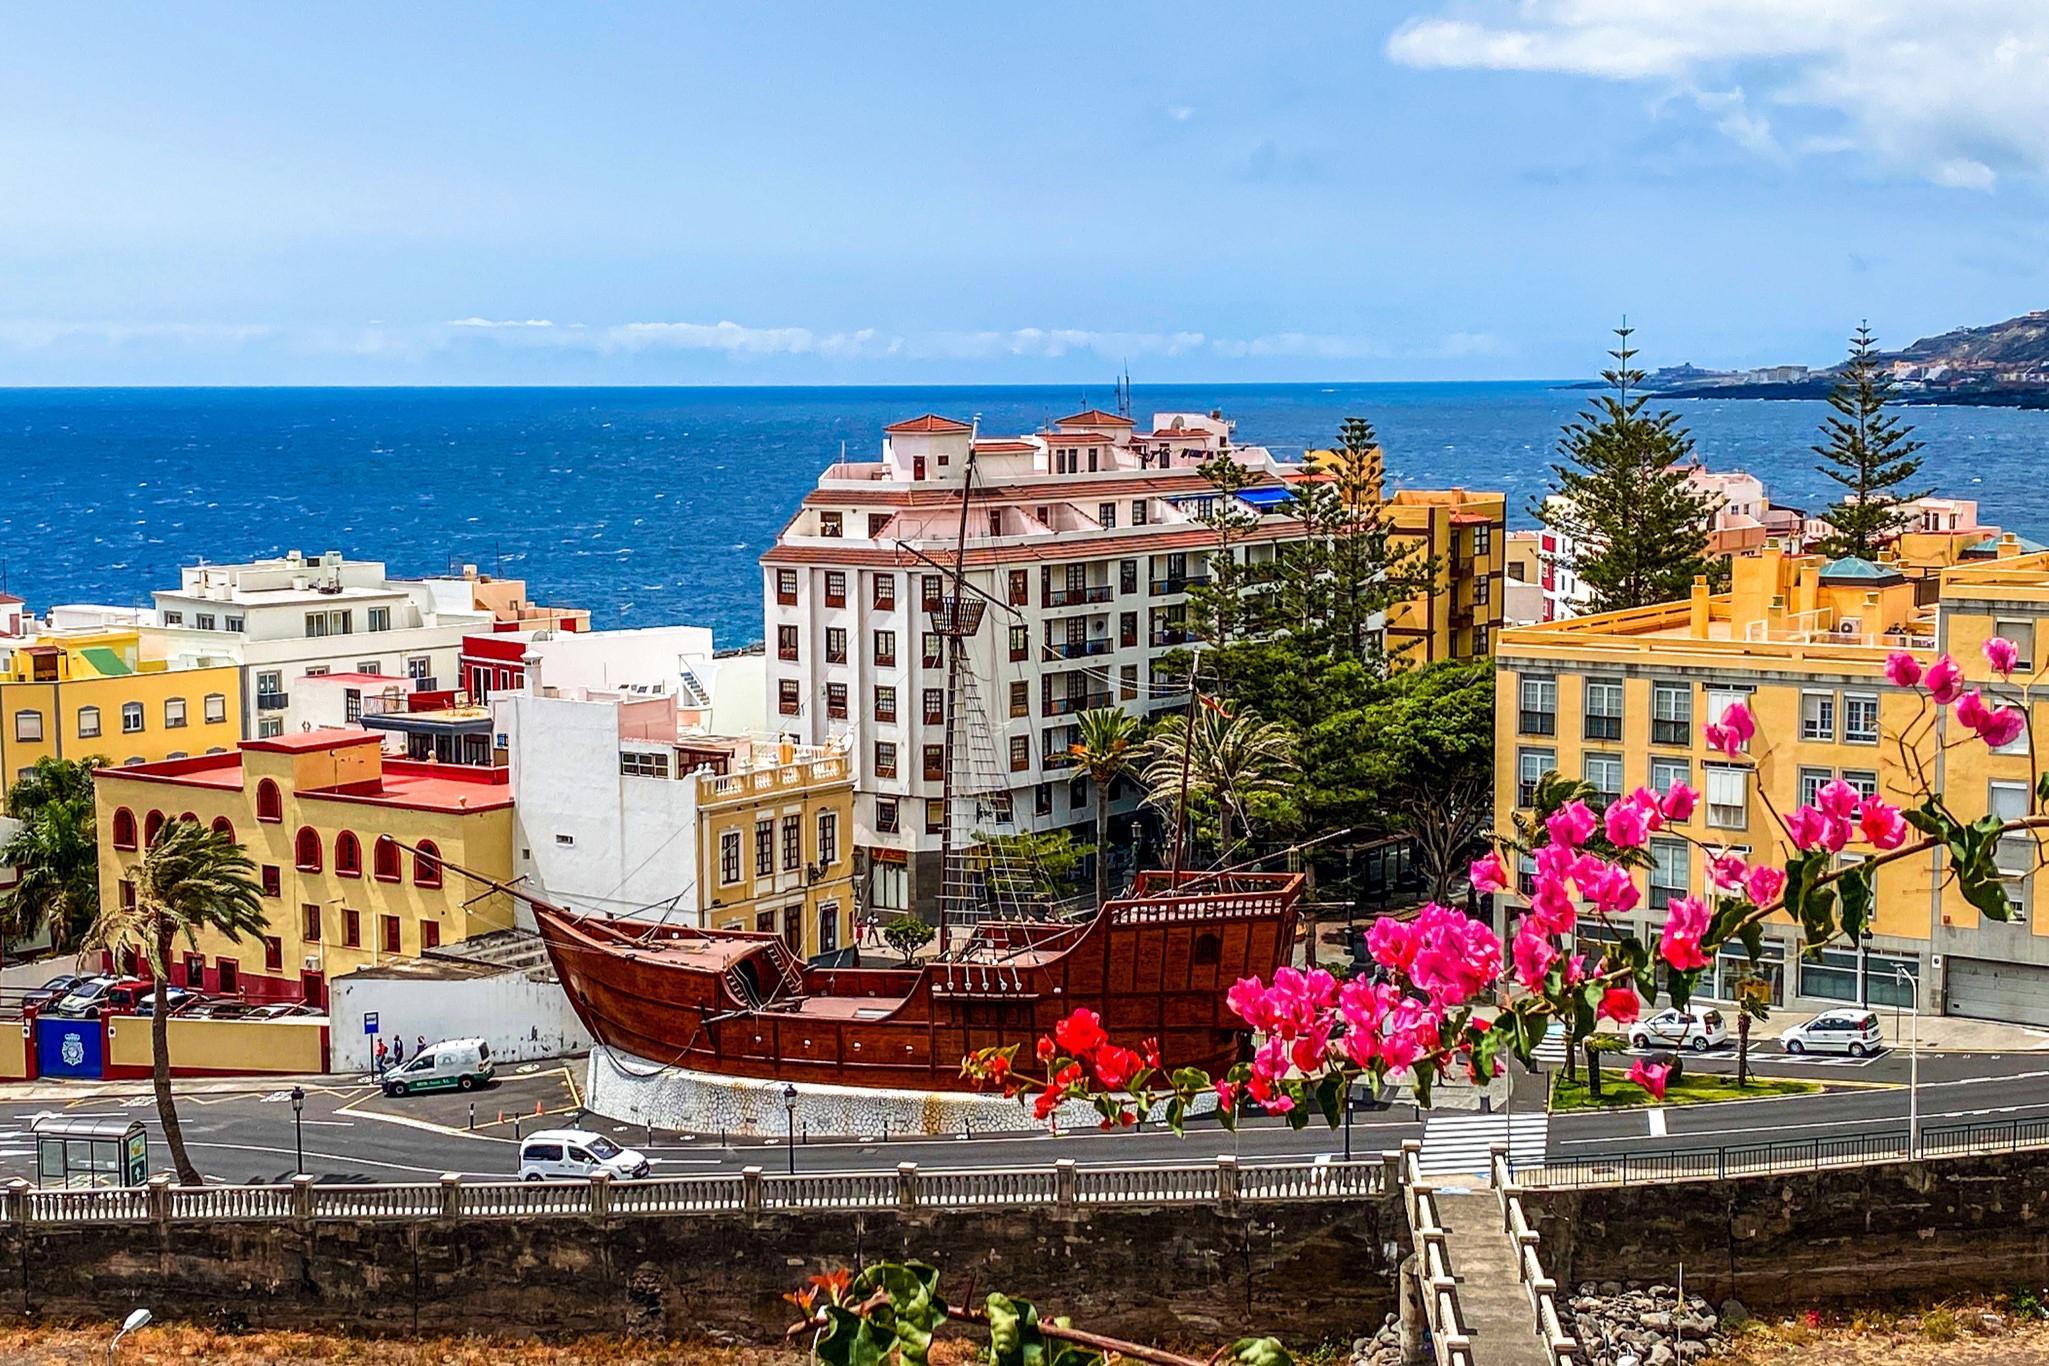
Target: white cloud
[
  {"x": 510, "y": 322},
  {"x": 1953, "y": 91},
  {"x": 1180, "y": 113}
]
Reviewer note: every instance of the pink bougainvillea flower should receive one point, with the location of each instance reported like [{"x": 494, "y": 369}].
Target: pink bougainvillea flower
[
  {"x": 1686, "y": 920},
  {"x": 2003, "y": 655},
  {"x": 1837, "y": 834},
  {"x": 1533, "y": 956},
  {"x": 1972, "y": 711},
  {"x": 1944, "y": 680},
  {"x": 1612, "y": 892},
  {"x": 1457, "y": 958},
  {"x": 1838, "y": 800},
  {"x": 1723, "y": 740},
  {"x": 2003, "y": 727},
  {"x": 1115, "y": 1066},
  {"x": 1902, "y": 669},
  {"x": 1620, "y": 1004},
  {"x": 1764, "y": 884},
  {"x": 1736, "y": 716},
  {"x": 1806, "y": 827},
  {"x": 1081, "y": 1032},
  {"x": 1571, "y": 824},
  {"x": 1651, "y": 1076},
  {"x": 1490, "y": 874},
  {"x": 1551, "y": 906},
  {"x": 1728, "y": 871},
  {"x": 1628, "y": 822},
  {"x": 1679, "y": 801},
  {"x": 1883, "y": 826}
]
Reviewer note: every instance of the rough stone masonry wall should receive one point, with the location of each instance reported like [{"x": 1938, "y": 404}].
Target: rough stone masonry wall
[
  {"x": 1914, "y": 1230},
  {"x": 1304, "y": 1272}
]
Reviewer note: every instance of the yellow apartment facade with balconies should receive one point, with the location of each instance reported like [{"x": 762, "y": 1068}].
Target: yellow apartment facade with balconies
[
  {"x": 1619, "y": 700},
  {"x": 80, "y": 694}
]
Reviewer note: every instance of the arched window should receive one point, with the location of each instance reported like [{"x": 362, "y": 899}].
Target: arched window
[
  {"x": 427, "y": 865},
  {"x": 189, "y": 817},
  {"x": 124, "y": 828},
  {"x": 269, "y": 805},
  {"x": 384, "y": 859},
  {"x": 307, "y": 854},
  {"x": 223, "y": 826},
  {"x": 1209, "y": 950},
  {"x": 348, "y": 855},
  {"x": 152, "y": 823}
]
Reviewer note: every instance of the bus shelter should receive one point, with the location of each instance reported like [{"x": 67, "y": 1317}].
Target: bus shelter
[{"x": 84, "y": 1152}]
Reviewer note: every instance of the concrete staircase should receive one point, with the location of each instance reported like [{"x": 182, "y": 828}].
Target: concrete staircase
[{"x": 1491, "y": 1297}]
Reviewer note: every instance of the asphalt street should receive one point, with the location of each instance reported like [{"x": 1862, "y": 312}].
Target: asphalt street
[{"x": 352, "y": 1132}]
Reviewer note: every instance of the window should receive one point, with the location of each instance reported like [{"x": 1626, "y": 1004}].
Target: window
[
  {"x": 225, "y": 828},
  {"x": 1042, "y": 799},
  {"x": 127, "y": 894},
  {"x": 885, "y": 758},
  {"x": 1106, "y": 516},
  {"x": 273, "y": 953},
  {"x": 1127, "y": 682},
  {"x": 216, "y": 710},
  {"x": 1020, "y": 697},
  {"x": 28, "y": 725},
  {"x": 1812, "y": 781},
  {"x": 793, "y": 843},
  {"x": 1483, "y": 539},
  {"x": 384, "y": 859},
  {"x": 1018, "y": 585},
  {"x": 1832, "y": 976},
  {"x": 930, "y": 588},
  {"x": 931, "y": 650},
  {"x": 269, "y": 805},
  {"x": 426, "y": 865},
  {"x": 835, "y": 645},
  {"x": 1603, "y": 710},
  {"x": 389, "y": 924},
  {"x": 352, "y": 928},
  {"x": 1483, "y": 591},
  {"x": 309, "y": 927},
  {"x": 1020, "y": 753},
  {"x": 836, "y": 588},
  {"x": 886, "y": 819},
  {"x": 1728, "y": 797},
  {"x": 174, "y": 618},
  {"x": 377, "y": 619},
  {"x": 2022, "y": 634},
  {"x": 729, "y": 858},
  {"x": 1530, "y": 767},
  {"x": 124, "y": 828},
  {"x": 885, "y": 649},
  {"x": 786, "y": 587},
  {"x": 1020, "y": 643},
  {"x": 1672, "y": 713},
  {"x": 352, "y": 704},
  {"x": 307, "y": 850},
  {"x": 1864, "y": 780},
  {"x": 828, "y": 838},
  {"x": 151, "y": 825},
  {"x": 788, "y": 697},
  {"x": 88, "y": 723},
  {"x": 1668, "y": 872},
  {"x": 348, "y": 855},
  {"x": 2016, "y": 854},
  {"x": 231, "y": 623},
  {"x": 786, "y": 643},
  {"x": 1539, "y": 714},
  {"x": 229, "y": 976},
  {"x": 764, "y": 848},
  {"x": 934, "y": 709},
  {"x": 419, "y": 668},
  {"x": 935, "y": 763},
  {"x": 1817, "y": 716},
  {"x": 640, "y": 763},
  {"x": 1860, "y": 719},
  {"x": 1604, "y": 772},
  {"x": 131, "y": 718},
  {"x": 1138, "y": 511},
  {"x": 885, "y": 702},
  {"x": 1666, "y": 772},
  {"x": 1719, "y": 700},
  {"x": 267, "y": 728},
  {"x": 833, "y": 524},
  {"x": 935, "y": 816},
  {"x": 885, "y": 592},
  {"x": 328, "y": 624},
  {"x": 836, "y": 701},
  {"x": 1127, "y": 576}
]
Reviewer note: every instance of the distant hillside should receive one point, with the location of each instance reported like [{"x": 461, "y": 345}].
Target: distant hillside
[{"x": 2019, "y": 343}]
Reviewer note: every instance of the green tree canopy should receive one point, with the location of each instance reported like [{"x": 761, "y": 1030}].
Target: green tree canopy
[
  {"x": 54, "y": 851},
  {"x": 1426, "y": 750},
  {"x": 1105, "y": 752},
  {"x": 1236, "y": 767},
  {"x": 1868, "y": 452}
]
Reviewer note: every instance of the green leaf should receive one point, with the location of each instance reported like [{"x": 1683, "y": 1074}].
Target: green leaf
[
  {"x": 2042, "y": 790},
  {"x": 1679, "y": 985},
  {"x": 851, "y": 1340},
  {"x": 1259, "y": 1352},
  {"x": 1330, "y": 1097},
  {"x": 1854, "y": 888},
  {"x": 1809, "y": 901},
  {"x": 914, "y": 1308},
  {"x": 1420, "y": 1079}
]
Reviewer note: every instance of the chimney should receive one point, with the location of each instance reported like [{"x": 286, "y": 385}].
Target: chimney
[
  {"x": 532, "y": 663},
  {"x": 1697, "y": 609}
]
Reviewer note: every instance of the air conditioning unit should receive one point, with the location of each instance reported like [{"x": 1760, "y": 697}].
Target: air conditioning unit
[{"x": 311, "y": 963}]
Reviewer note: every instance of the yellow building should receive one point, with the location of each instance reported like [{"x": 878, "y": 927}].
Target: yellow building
[
  {"x": 80, "y": 694},
  {"x": 774, "y": 845},
  {"x": 349, "y": 847},
  {"x": 1620, "y": 699}
]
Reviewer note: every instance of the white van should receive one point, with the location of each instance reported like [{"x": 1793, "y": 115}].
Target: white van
[
  {"x": 573, "y": 1154},
  {"x": 463, "y": 1064}
]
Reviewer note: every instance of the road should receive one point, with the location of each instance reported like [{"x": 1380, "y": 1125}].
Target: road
[{"x": 352, "y": 1132}]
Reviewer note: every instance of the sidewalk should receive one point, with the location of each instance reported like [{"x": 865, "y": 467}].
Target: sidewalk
[{"x": 17, "y": 1092}]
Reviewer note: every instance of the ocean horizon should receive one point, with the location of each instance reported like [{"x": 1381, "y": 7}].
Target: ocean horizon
[{"x": 651, "y": 504}]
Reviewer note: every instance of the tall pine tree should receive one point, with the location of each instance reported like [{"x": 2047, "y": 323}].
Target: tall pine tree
[
  {"x": 1639, "y": 529},
  {"x": 1869, "y": 452}
]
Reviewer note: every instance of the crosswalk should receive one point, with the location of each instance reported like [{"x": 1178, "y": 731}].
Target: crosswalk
[
  {"x": 1457, "y": 1144},
  {"x": 1551, "y": 1050}
]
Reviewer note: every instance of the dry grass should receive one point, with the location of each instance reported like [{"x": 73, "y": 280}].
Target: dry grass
[
  {"x": 175, "y": 1344},
  {"x": 1951, "y": 1334}
]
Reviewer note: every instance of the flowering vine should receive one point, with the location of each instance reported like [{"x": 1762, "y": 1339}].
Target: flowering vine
[{"x": 1447, "y": 994}]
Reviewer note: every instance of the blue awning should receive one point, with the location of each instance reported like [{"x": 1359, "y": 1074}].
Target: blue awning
[{"x": 1266, "y": 500}]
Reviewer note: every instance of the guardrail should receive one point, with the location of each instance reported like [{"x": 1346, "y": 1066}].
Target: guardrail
[
  {"x": 1223, "y": 1183},
  {"x": 1560, "y": 1347},
  {"x": 1434, "y": 1279}
]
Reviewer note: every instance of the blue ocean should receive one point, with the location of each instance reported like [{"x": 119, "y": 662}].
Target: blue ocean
[{"x": 651, "y": 505}]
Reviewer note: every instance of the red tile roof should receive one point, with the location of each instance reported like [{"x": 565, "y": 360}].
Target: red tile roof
[
  {"x": 1079, "y": 438},
  {"x": 930, "y": 422},
  {"x": 1008, "y": 444},
  {"x": 1094, "y": 417},
  {"x": 327, "y": 737}
]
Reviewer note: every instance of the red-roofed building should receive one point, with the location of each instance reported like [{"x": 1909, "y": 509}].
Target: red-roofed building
[{"x": 350, "y": 848}]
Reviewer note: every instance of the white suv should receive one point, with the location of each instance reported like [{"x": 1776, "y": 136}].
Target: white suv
[
  {"x": 1855, "y": 1032},
  {"x": 1696, "y": 1027}
]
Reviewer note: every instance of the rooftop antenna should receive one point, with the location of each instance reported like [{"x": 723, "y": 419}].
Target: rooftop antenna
[{"x": 1124, "y": 392}]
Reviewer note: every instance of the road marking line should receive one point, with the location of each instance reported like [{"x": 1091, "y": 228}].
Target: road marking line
[{"x": 1657, "y": 1119}]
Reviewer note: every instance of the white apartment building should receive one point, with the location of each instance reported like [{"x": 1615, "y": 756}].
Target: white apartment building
[
  {"x": 1086, "y": 538},
  {"x": 1740, "y": 522}
]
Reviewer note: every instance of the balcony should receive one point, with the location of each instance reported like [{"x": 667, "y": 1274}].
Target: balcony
[
  {"x": 1075, "y": 597},
  {"x": 1173, "y": 635},
  {"x": 1068, "y": 706},
  {"x": 1078, "y": 649},
  {"x": 273, "y": 701},
  {"x": 1177, "y": 583}
]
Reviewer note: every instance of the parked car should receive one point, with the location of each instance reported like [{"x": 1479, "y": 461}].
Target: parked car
[
  {"x": 464, "y": 1064},
  {"x": 52, "y": 991},
  {"x": 286, "y": 1010},
  {"x": 118, "y": 993},
  {"x": 183, "y": 1001},
  {"x": 217, "y": 1009},
  {"x": 573, "y": 1154},
  {"x": 1854, "y": 1032},
  {"x": 1696, "y": 1027}
]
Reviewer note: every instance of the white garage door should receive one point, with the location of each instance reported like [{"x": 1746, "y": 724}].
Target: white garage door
[{"x": 1986, "y": 990}]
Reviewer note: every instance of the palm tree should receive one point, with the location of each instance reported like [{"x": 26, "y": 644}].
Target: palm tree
[
  {"x": 191, "y": 879},
  {"x": 1228, "y": 760},
  {"x": 1107, "y": 747},
  {"x": 54, "y": 851}
]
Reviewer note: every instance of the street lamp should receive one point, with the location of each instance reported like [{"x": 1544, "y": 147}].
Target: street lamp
[
  {"x": 134, "y": 1321},
  {"x": 299, "y": 1126},
  {"x": 790, "y": 1112},
  {"x": 1348, "y": 1117},
  {"x": 1913, "y": 985}
]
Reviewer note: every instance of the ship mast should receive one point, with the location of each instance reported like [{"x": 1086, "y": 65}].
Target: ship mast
[{"x": 956, "y": 618}]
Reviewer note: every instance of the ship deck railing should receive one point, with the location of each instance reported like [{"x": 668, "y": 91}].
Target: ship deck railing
[{"x": 1223, "y": 1183}]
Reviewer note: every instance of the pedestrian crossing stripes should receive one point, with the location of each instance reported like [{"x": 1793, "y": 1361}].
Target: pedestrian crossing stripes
[
  {"x": 1551, "y": 1049},
  {"x": 1458, "y": 1144}
]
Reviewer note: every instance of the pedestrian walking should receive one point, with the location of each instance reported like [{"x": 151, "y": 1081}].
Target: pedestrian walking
[
  {"x": 398, "y": 1049},
  {"x": 382, "y": 1054},
  {"x": 419, "y": 1045}
]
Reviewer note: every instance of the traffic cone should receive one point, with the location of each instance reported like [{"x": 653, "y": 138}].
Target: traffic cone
[{"x": 537, "y": 1108}]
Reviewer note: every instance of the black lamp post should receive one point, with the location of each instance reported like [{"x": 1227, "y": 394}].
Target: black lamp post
[
  {"x": 1348, "y": 1119},
  {"x": 299, "y": 1126},
  {"x": 790, "y": 1112}
]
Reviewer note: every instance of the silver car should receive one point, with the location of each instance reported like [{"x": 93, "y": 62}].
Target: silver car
[
  {"x": 1854, "y": 1032},
  {"x": 1696, "y": 1027}
]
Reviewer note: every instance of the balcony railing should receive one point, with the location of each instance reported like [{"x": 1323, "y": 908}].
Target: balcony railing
[
  {"x": 1079, "y": 649},
  {"x": 1069, "y": 597},
  {"x": 1068, "y": 706},
  {"x": 1173, "y": 635},
  {"x": 1177, "y": 583},
  {"x": 273, "y": 701}
]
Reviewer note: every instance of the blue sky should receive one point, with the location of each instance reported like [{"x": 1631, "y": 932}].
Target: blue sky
[{"x": 898, "y": 193}]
